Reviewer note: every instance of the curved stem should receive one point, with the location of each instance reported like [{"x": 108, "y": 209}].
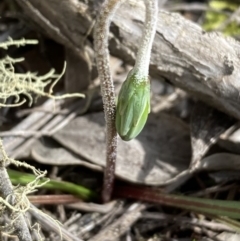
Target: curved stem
[
  {"x": 144, "y": 52},
  {"x": 107, "y": 88}
]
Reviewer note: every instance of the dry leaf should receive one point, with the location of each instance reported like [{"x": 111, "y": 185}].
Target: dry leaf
[
  {"x": 157, "y": 155},
  {"x": 207, "y": 124}
]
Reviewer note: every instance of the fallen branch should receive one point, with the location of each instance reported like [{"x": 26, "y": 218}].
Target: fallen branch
[{"x": 206, "y": 65}]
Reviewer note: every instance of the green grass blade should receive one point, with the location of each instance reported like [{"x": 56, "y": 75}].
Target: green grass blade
[{"x": 21, "y": 178}]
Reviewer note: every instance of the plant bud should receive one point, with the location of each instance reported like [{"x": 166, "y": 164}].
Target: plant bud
[{"x": 133, "y": 106}]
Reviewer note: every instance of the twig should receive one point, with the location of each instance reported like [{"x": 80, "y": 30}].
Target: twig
[
  {"x": 122, "y": 224},
  {"x": 233, "y": 17},
  {"x": 6, "y": 189},
  {"x": 48, "y": 223},
  {"x": 213, "y": 225},
  {"x": 193, "y": 7},
  {"x": 102, "y": 219}
]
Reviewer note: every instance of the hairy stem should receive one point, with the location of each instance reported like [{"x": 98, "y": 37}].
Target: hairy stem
[
  {"x": 140, "y": 70},
  {"x": 108, "y": 94},
  {"x": 144, "y": 51}
]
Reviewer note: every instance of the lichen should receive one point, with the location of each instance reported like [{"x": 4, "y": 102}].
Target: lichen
[
  {"x": 27, "y": 85},
  {"x": 22, "y": 87}
]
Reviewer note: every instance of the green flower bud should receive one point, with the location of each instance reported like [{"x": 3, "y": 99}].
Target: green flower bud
[{"x": 133, "y": 106}]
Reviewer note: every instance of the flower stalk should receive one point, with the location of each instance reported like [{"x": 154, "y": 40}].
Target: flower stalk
[{"x": 134, "y": 98}]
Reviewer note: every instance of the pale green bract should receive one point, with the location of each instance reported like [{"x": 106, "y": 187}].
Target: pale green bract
[{"x": 133, "y": 107}]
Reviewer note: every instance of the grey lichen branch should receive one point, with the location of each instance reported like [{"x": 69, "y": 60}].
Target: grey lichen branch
[{"x": 19, "y": 224}]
